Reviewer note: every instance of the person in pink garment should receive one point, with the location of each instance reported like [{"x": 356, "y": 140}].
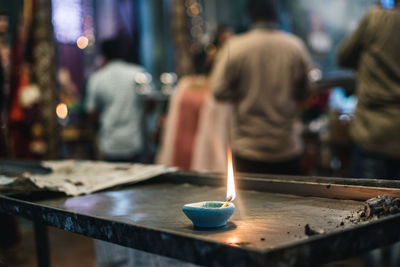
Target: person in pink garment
[
  {"x": 215, "y": 122},
  {"x": 182, "y": 118},
  {"x": 194, "y": 90},
  {"x": 186, "y": 119}
]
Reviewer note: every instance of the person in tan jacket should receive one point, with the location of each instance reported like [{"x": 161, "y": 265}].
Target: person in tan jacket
[
  {"x": 373, "y": 49},
  {"x": 263, "y": 72}
]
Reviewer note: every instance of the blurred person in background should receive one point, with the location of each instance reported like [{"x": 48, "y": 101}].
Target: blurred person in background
[
  {"x": 194, "y": 132},
  {"x": 112, "y": 100},
  {"x": 181, "y": 124},
  {"x": 373, "y": 50},
  {"x": 112, "y": 96},
  {"x": 10, "y": 236},
  {"x": 215, "y": 121},
  {"x": 4, "y": 77},
  {"x": 4, "y": 46},
  {"x": 263, "y": 73},
  {"x": 221, "y": 36}
]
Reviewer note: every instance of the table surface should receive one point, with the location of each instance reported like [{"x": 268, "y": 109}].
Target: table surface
[
  {"x": 261, "y": 220},
  {"x": 266, "y": 227}
]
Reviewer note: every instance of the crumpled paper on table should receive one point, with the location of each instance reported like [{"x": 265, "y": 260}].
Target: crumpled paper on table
[
  {"x": 75, "y": 177},
  {"x": 5, "y": 180}
]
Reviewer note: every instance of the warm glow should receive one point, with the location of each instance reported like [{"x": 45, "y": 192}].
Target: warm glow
[
  {"x": 232, "y": 240},
  {"x": 230, "y": 191},
  {"x": 62, "y": 111},
  {"x": 82, "y": 42}
]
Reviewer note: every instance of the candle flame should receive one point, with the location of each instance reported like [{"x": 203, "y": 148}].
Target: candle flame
[{"x": 230, "y": 190}]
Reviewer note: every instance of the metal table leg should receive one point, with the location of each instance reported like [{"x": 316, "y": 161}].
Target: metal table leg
[{"x": 42, "y": 244}]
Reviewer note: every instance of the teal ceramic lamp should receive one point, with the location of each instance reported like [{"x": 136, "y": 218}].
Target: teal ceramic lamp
[
  {"x": 214, "y": 213},
  {"x": 208, "y": 214}
]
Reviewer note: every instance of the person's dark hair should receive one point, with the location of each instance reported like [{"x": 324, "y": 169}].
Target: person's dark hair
[
  {"x": 262, "y": 10},
  {"x": 111, "y": 49},
  {"x": 3, "y": 13},
  {"x": 220, "y": 31},
  {"x": 200, "y": 66}
]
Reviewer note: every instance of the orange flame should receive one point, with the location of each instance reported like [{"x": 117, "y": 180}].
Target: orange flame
[{"x": 230, "y": 190}]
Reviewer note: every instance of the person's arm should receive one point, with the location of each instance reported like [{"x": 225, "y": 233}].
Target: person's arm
[
  {"x": 350, "y": 50},
  {"x": 91, "y": 108},
  {"x": 90, "y": 104},
  {"x": 92, "y": 113},
  {"x": 223, "y": 76}
]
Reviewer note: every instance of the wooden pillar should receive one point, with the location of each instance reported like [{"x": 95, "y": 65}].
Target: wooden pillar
[{"x": 44, "y": 67}]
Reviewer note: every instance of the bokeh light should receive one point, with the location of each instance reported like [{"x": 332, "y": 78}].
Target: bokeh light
[
  {"x": 67, "y": 20},
  {"x": 62, "y": 111},
  {"x": 168, "y": 78},
  {"x": 143, "y": 78},
  {"x": 82, "y": 42}
]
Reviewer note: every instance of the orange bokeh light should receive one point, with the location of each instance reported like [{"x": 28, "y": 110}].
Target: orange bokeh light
[
  {"x": 62, "y": 111},
  {"x": 82, "y": 42}
]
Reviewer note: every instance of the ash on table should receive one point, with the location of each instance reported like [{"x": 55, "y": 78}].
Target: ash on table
[
  {"x": 375, "y": 208},
  {"x": 380, "y": 206}
]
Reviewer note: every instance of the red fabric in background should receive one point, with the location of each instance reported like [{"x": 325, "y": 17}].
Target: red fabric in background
[
  {"x": 187, "y": 124},
  {"x": 19, "y": 127}
]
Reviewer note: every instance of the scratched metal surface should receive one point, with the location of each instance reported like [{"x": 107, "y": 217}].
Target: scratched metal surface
[
  {"x": 267, "y": 229},
  {"x": 261, "y": 220}
]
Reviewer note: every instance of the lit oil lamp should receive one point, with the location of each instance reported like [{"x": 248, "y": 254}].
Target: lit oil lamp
[{"x": 214, "y": 213}]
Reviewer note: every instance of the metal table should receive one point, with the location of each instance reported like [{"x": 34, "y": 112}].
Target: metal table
[{"x": 267, "y": 228}]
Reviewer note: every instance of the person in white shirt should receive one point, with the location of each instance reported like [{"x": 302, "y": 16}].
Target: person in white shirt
[{"x": 112, "y": 97}]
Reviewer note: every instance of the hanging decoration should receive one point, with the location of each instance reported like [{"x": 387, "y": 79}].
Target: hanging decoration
[{"x": 188, "y": 31}]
